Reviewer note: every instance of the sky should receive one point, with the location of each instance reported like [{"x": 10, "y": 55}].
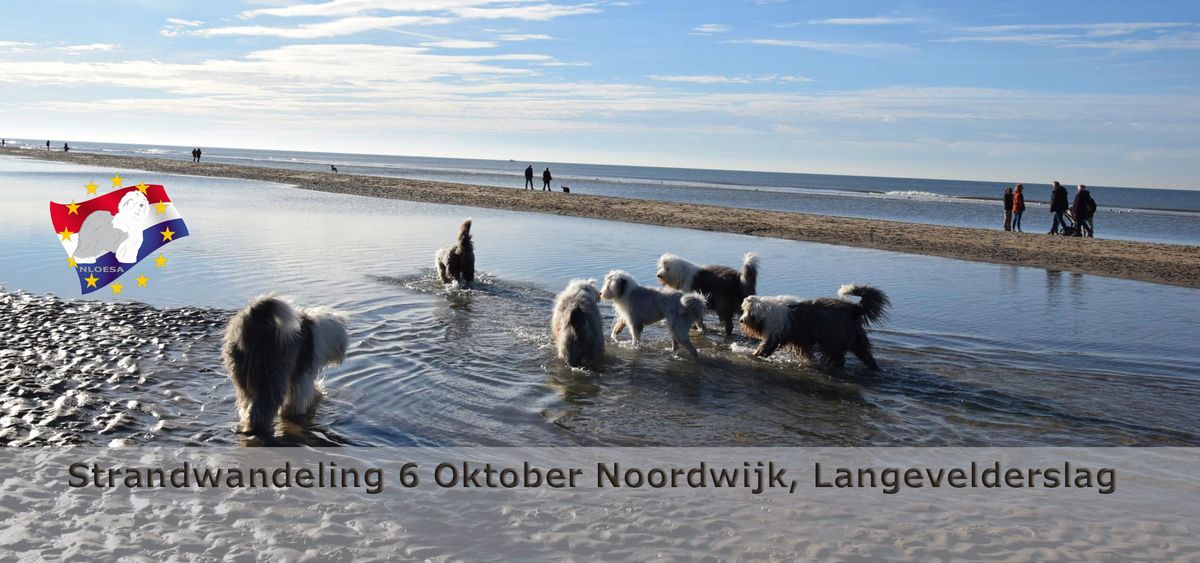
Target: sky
[{"x": 1099, "y": 92}]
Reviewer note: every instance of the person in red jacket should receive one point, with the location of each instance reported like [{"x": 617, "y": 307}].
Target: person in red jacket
[{"x": 1018, "y": 207}]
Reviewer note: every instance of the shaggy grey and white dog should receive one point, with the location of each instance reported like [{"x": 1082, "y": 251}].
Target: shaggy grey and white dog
[
  {"x": 576, "y": 324},
  {"x": 826, "y": 325},
  {"x": 121, "y": 234},
  {"x": 638, "y": 306},
  {"x": 456, "y": 263},
  {"x": 723, "y": 287},
  {"x": 273, "y": 354}
]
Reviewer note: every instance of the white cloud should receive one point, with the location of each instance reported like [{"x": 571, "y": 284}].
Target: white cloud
[
  {"x": 15, "y": 47},
  {"x": 1117, "y": 36},
  {"x": 877, "y": 20},
  {"x": 710, "y": 28},
  {"x": 459, "y": 44},
  {"x": 77, "y": 49},
  {"x": 858, "y": 49},
  {"x": 349, "y": 17},
  {"x": 185, "y": 23},
  {"x": 525, "y": 37},
  {"x": 720, "y": 79}
]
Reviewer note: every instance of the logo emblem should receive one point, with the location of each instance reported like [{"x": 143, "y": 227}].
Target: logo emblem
[{"x": 106, "y": 236}]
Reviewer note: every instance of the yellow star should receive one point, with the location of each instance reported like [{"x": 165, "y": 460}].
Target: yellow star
[
  {"x": 141, "y": 280},
  {"x": 116, "y": 180},
  {"x": 117, "y": 287},
  {"x": 161, "y": 261},
  {"x": 72, "y": 208},
  {"x": 142, "y": 187},
  {"x": 71, "y": 262},
  {"x": 91, "y": 279},
  {"x": 167, "y": 234},
  {"x": 65, "y": 234},
  {"x": 91, "y": 187},
  {"x": 161, "y": 207}
]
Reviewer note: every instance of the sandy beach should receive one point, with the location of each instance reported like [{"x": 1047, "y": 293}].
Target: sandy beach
[{"x": 1152, "y": 262}]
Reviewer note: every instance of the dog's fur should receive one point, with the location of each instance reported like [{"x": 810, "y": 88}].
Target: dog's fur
[
  {"x": 826, "y": 325},
  {"x": 456, "y": 263},
  {"x": 638, "y": 306},
  {"x": 273, "y": 354},
  {"x": 723, "y": 287},
  {"x": 102, "y": 232},
  {"x": 576, "y": 324}
]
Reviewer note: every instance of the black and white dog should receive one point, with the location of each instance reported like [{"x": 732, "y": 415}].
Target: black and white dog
[
  {"x": 826, "y": 325},
  {"x": 723, "y": 287},
  {"x": 456, "y": 263},
  {"x": 638, "y": 306},
  {"x": 273, "y": 353},
  {"x": 576, "y": 325}
]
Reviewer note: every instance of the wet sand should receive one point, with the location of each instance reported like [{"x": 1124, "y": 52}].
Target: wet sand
[{"x": 1152, "y": 262}]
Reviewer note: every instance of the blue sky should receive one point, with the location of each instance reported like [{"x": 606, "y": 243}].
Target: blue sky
[{"x": 1106, "y": 93}]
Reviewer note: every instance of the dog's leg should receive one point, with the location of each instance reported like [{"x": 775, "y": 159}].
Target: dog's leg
[
  {"x": 806, "y": 352},
  {"x": 636, "y": 329},
  {"x": 618, "y": 326},
  {"x": 727, "y": 319},
  {"x": 302, "y": 396},
  {"x": 700, "y": 326},
  {"x": 836, "y": 359},
  {"x": 767, "y": 347},
  {"x": 862, "y": 350}
]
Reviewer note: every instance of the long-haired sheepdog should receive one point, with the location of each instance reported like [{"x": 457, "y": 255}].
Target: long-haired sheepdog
[
  {"x": 723, "y": 287},
  {"x": 576, "y": 324},
  {"x": 273, "y": 353},
  {"x": 121, "y": 234},
  {"x": 456, "y": 263},
  {"x": 826, "y": 325},
  {"x": 638, "y": 306}
]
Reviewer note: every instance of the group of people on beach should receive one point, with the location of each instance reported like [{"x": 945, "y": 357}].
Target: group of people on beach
[
  {"x": 196, "y": 153},
  {"x": 546, "y": 177},
  {"x": 1069, "y": 218}
]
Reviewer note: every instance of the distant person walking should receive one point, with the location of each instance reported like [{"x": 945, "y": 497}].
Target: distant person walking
[
  {"x": 66, "y": 147},
  {"x": 529, "y": 177},
  {"x": 1058, "y": 208},
  {"x": 546, "y": 177},
  {"x": 1018, "y": 207},
  {"x": 47, "y": 145},
  {"x": 194, "y": 154},
  {"x": 3, "y": 142},
  {"x": 1085, "y": 210},
  {"x": 1008, "y": 207},
  {"x": 199, "y": 153}
]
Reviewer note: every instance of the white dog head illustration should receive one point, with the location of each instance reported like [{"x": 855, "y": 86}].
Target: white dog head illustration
[{"x": 102, "y": 232}]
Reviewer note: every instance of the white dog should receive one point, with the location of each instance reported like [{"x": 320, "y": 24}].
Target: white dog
[
  {"x": 724, "y": 288},
  {"x": 576, "y": 324},
  {"x": 638, "y": 306},
  {"x": 273, "y": 354},
  {"x": 103, "y": 232}
]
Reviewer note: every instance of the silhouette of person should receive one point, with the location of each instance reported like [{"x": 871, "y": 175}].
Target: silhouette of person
[
  {"x": 1058, "y": 208},
  {"x": 546, "y": 179},
  {"x": 199, "y": 153},
  {"x": 3, "y": 142},
  {"x": 66, "y": 147},
  {"x": 529, "y": 177},
  {"x": 47, "y": 145},
  {"x": 193, "y": 155}
]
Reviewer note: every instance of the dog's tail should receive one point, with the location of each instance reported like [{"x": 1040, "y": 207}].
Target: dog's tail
[
  {"x": 464, "y": 234},
  {"x": 749, "y": 275},
  {"x": 693, "y": 307},
  {"x": 258, "y": 353},
  {"x": 872, "y": 302}
]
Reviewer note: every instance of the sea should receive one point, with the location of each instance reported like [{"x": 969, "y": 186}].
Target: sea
[{"x": 1128, "y": 213}]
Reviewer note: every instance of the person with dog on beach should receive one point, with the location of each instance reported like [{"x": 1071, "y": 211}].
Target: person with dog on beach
[
  {"x": 546, "y": 179},
  {"x": 1018, "y": 207},
  {"x": 1008, "y": 207},
  {"x": 1084, "y": 210},
  {"x": 529, "y": 177},
  {"x": 1058, "y": 208}
]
